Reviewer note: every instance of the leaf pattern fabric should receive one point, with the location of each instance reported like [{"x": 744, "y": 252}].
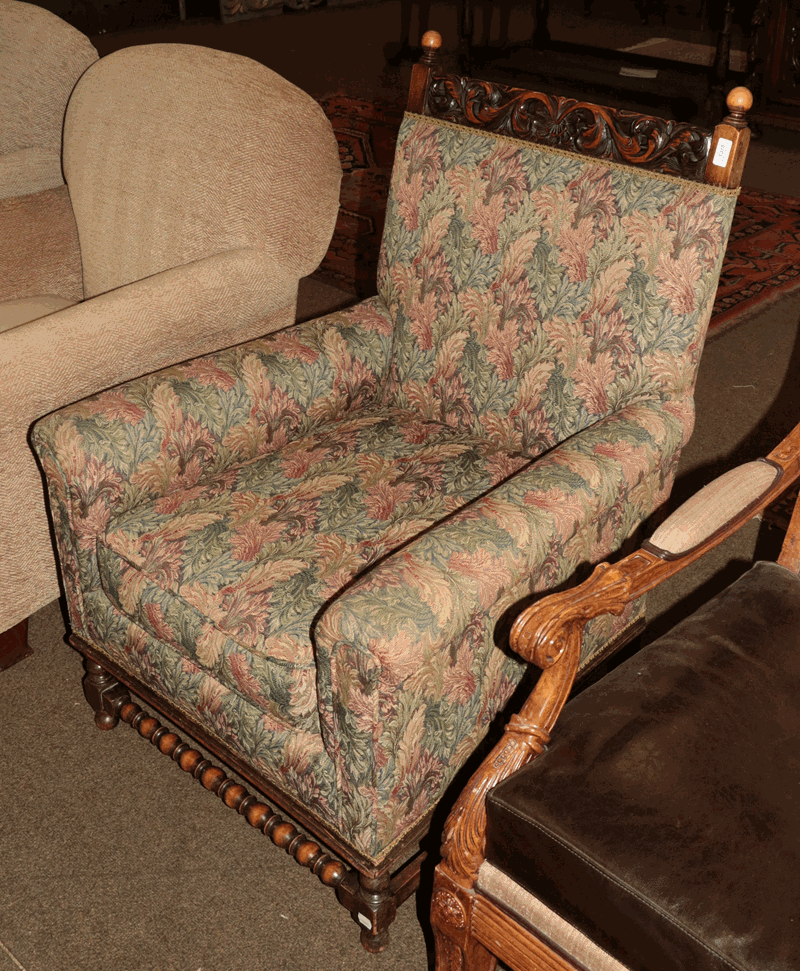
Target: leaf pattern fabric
[{"x": 314, "y": 543}]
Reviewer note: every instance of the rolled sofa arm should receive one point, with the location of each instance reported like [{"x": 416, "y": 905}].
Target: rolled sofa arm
[
  {"x": 142, "y": 327},
  {"x": 59, "y": 358}
]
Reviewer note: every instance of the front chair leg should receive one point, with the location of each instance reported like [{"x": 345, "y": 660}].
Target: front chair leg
[
  {"x": 373, "y": 906},
  {"x": 104, "y": 693},
  {"x": 451, "y": 918}
]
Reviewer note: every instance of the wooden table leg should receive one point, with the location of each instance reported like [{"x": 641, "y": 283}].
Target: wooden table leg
[{"x": 14, "y": 645}]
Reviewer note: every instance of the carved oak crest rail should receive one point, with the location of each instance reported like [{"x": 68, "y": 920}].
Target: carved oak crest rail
[
  {"x": 644, "y": 141},
  {"x": 673, "y": 147}
]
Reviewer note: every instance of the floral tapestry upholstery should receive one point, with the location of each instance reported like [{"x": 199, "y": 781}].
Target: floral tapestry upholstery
[
  {"x": 313, "y": 543},
  {"x": 534, "y": 292}
]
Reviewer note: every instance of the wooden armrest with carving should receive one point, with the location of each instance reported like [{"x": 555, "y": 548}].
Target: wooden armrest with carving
[{"x": 549, "y": 632}]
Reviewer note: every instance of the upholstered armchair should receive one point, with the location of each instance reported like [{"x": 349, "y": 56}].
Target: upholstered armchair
[
  {"x": 651, "y": 824},
  {"x": 200, "y": 188},
  {"x": 304, "y": 549}
]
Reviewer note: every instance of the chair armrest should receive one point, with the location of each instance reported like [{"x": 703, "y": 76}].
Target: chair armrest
[
  {"x": 713, "y": 514},
  {"x": 232, "y": 405},
  {"x": 175, "y": 428},
  {"x": 549, "y": 633},
  {"x": 142, "y": 327},
  {"x": 378, "y": 645}
]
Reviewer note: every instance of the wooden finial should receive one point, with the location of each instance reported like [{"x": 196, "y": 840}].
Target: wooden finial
[
  {"x": 422, "y": 71},
  {"x": 739, "y": 102},
  {"x": 431, "y": 44}
]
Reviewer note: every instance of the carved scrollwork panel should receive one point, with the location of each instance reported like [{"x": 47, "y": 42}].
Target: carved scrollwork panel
[{"x": 676, "y": 148}]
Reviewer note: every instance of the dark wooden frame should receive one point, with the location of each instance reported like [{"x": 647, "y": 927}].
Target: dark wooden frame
[
  {"x": 14, "y": 645},
  {"x": 372, "y": 894},
  {"x": 471, "y": 931},
  {"x": 632, "y": 138}
]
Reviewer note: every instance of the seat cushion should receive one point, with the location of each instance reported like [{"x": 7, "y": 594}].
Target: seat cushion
[
  {"x": 30, "y": 170},
  {"x": 664, "y": 819},
  {"x": 233, "y": 573},
  {"x": 22, "y": 311}
]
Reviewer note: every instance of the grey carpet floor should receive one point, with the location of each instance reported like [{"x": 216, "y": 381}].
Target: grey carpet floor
[{"x": 110, "y": 858}]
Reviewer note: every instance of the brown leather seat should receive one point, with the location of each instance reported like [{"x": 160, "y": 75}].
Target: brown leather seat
[{"x": 664, "y": 819}]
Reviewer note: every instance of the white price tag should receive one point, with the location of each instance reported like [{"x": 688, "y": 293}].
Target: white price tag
[{"x": 723, "y": 152}]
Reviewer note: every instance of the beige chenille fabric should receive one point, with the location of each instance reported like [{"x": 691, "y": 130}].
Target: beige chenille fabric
[
  {"x": 41, "y": 59},
  {"x": 713, "y": 507},
  {"x": 39, "y": 252},
  {"x": 545, "y": 923},
  {"x": 16, "y": 312},
  {"x": 132, "y": 140},
  {"x": 203, "y": 186}
]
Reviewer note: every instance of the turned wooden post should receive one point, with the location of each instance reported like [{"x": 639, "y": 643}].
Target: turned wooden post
[
  {"x": 730, "y": 141},
  {"x": 422, "y": 72},
  {"x": 105, "y": 694}
]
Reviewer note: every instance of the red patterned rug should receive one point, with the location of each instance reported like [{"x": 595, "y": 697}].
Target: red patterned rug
[{"x": 762, "y": 261}]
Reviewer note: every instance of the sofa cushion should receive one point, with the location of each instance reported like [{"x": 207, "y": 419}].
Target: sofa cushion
[
  {"x": 39, "y": 251},
  {"x": 41, "y": 59},
  {"x": 663, "y": 819},
  {"x": 233, "y": 572},
  {"x": 16, "y": 312},
  {"x": 29, "y": 170}
]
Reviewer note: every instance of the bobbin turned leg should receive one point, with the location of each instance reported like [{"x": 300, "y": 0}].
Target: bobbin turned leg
[{"x": 104, "y": 693}]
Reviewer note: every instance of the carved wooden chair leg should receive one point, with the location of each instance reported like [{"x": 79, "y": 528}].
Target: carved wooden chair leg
[
  {"x": 371, "y": 899},
  {"x": 104, "y": 693},
  {"x": 451, "y": 917}
]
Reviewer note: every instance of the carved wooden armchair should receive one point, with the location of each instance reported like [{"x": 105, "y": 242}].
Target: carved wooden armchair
[
  {"x": 303, "y": 549},
  {"x": 658, "y": 828}
]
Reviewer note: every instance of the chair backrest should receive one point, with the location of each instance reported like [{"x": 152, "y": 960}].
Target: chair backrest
[
  {"x": 536, "y": 290},
  {"x": 174, "y": 152},
  {"x": 41, "y": 59}
]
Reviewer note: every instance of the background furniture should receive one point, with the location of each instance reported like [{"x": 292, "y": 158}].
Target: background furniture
[
  {"x": 201, "y": 187},
  {"x": 41, "y": 59},
  {"x": 304, "y": 549},
  {"x": 692, "y": 91},
  {"x": 657, "y": 830},
  {"x": 776, "y": 56}
]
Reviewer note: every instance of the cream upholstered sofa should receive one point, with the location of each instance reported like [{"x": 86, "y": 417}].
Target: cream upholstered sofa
[{"x": 200, "y": 188}]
